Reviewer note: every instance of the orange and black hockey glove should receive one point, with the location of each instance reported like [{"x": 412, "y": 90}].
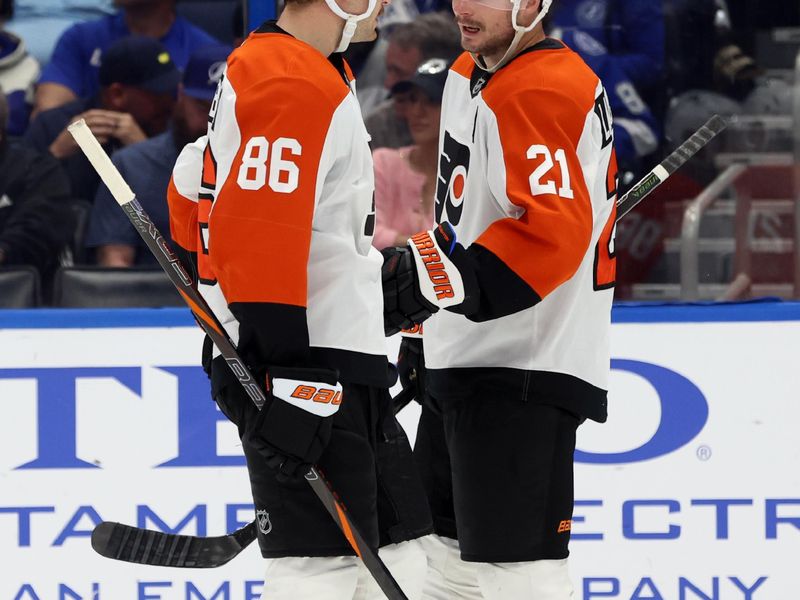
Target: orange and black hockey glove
[
  {"x": 294, "y": 427},
  {"x": 432, "y": 272}
]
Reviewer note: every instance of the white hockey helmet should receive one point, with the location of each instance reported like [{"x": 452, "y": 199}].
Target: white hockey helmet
[
  {"x": 519, "y": 30},
  {"x": 350, "y": 21}
]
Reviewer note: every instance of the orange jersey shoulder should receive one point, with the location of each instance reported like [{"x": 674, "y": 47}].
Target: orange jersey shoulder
[
  {"x": 270, "y": 56},
  {"x": 558, "y": 86}
]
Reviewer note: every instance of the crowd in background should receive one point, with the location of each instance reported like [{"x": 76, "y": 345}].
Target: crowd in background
[{"x": 142, "y": 75}]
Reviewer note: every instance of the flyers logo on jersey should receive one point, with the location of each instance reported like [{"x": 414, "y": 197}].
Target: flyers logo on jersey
[
  {"x": 321, "y": 395},
  {"x": 564, "y": 526},
  {"x": 429, "y": 253},
  {"x": 453, "y": 166}
]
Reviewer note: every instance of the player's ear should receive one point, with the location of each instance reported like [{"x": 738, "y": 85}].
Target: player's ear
[{"x": 529, "y": 10}]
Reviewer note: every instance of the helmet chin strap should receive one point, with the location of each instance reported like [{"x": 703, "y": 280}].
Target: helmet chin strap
[
  {"x": 351, "y": 21},
  {"x": 519, "y": 31}
]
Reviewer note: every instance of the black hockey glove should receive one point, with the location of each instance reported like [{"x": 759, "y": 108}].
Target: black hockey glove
[
  {"x": 403, "y": 303},
  {"x": 294, "y": 428},
  {"x": 432, "y": 272},
  {"x": 411, "y": 367}
]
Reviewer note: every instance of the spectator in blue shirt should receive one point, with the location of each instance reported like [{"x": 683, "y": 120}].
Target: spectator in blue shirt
[
  {"x": 637, "y": 132},
  {"x": 73, "y": 70},
  {"x": 147, "y": 167},
  {"x": 139, "y": 84},
  {"x": 633, "y": 31},
  {"x": 41, "y": 22}
]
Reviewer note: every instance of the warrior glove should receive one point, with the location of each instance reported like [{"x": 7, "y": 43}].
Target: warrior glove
[
  {"x": 293, "y": 429},
  {"x": 432, "y": 272}
]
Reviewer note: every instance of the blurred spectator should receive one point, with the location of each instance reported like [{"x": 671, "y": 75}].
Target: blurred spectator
[
  {"x": 405, "y": 178},
  {"x": 139, "y": 83},
  {"x": 428, "y": 36},
  {"x": 631, "y": 30},
  {"x": 35, "y": 219},
  {"x": 41, "y": 22},
  {"x": 147, "y": 166},
  {"x": 636, "y": 130},
  {"x": 18, "y": 72},
  {"x": 74, "y": 68}
]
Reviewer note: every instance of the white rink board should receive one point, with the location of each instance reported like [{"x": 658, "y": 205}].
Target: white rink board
[{"x": 716, "y": 517}]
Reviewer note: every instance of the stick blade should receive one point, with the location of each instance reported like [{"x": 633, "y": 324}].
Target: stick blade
[{"x": 143, "y": 546}]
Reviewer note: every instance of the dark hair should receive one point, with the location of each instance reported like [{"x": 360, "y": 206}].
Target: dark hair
[{"x": 435, "y": 34}]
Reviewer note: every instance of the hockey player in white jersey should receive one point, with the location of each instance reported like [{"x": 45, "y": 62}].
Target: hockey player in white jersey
[
  {"x": 277, "y": 205},
  {"x": 520, "y": 275}
]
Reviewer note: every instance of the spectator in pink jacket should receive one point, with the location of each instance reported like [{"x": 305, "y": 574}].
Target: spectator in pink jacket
[{"x": 405, "y": 178}]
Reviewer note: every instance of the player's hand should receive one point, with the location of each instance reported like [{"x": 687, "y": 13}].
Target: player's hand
[
  {"x": 127, "y": 130},
  {"x": 403, "y": 304},
  {"x": 432, "y": 272},
  {"x": 293, "y": 429}
]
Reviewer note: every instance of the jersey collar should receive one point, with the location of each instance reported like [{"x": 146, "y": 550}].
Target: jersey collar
[{"x": 480, "y": 77}]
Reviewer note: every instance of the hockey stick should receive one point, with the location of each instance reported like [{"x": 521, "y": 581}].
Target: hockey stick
[
  {"x": 119, "y": 545},
  {"x": 669, "y": 165},
  {"x": 110, "y": 539}
]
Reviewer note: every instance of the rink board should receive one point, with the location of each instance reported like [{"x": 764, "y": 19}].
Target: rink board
[{"x": 690, "y": 491}]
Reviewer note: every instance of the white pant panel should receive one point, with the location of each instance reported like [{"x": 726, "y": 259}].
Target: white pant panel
[
  {"x": 311, "y": 578},
  {"x": 532, "y": 580},
  {"x": 449, "y": 577},
  {"x": 408, "y": 565}
]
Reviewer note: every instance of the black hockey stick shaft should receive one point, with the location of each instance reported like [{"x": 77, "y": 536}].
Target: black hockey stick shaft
[{"x": 184, "y": 283}]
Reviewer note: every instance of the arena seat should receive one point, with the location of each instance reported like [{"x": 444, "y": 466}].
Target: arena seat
[
  {"x": 107, "y": 287},
  {"x": 20, "y": 287},
  {"x": 215, "y": 17}
]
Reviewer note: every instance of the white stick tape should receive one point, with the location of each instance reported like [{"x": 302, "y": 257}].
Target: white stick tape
[{"x": 102, "y": 164}]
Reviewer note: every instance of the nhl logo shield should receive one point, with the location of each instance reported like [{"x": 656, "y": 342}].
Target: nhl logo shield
[{"x": 264, "y": 524}]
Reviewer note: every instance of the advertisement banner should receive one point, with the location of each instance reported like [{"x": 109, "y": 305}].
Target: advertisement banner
[{"x": 691, "y": 490}]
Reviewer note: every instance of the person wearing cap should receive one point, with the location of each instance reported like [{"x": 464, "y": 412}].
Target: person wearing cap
[
  {"x": 405, "y": 178},
  {"x": 147, "y": 166},
  {"x": 139, "y": 84},
  {"x": 72, "y": 71},
  {"x": 407, "y": 47}
]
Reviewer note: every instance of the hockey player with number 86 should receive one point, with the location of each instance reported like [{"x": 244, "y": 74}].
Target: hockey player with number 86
[{"x": 276, "y": 205}]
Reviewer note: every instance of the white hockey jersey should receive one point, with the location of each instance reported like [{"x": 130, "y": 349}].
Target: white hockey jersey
[
  {"x": 282, "y": 216},
  {"x": 527, "y": 178}
]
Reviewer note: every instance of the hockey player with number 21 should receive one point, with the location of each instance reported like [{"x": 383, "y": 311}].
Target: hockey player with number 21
[
  {"x": 520, "y": 274},
  {"x": 276, "y": 204}
]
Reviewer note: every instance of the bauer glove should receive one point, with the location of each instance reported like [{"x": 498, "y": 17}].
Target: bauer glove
[
  {"x": 293, "y": 429},
  {"x": 432, "y": 272}
]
